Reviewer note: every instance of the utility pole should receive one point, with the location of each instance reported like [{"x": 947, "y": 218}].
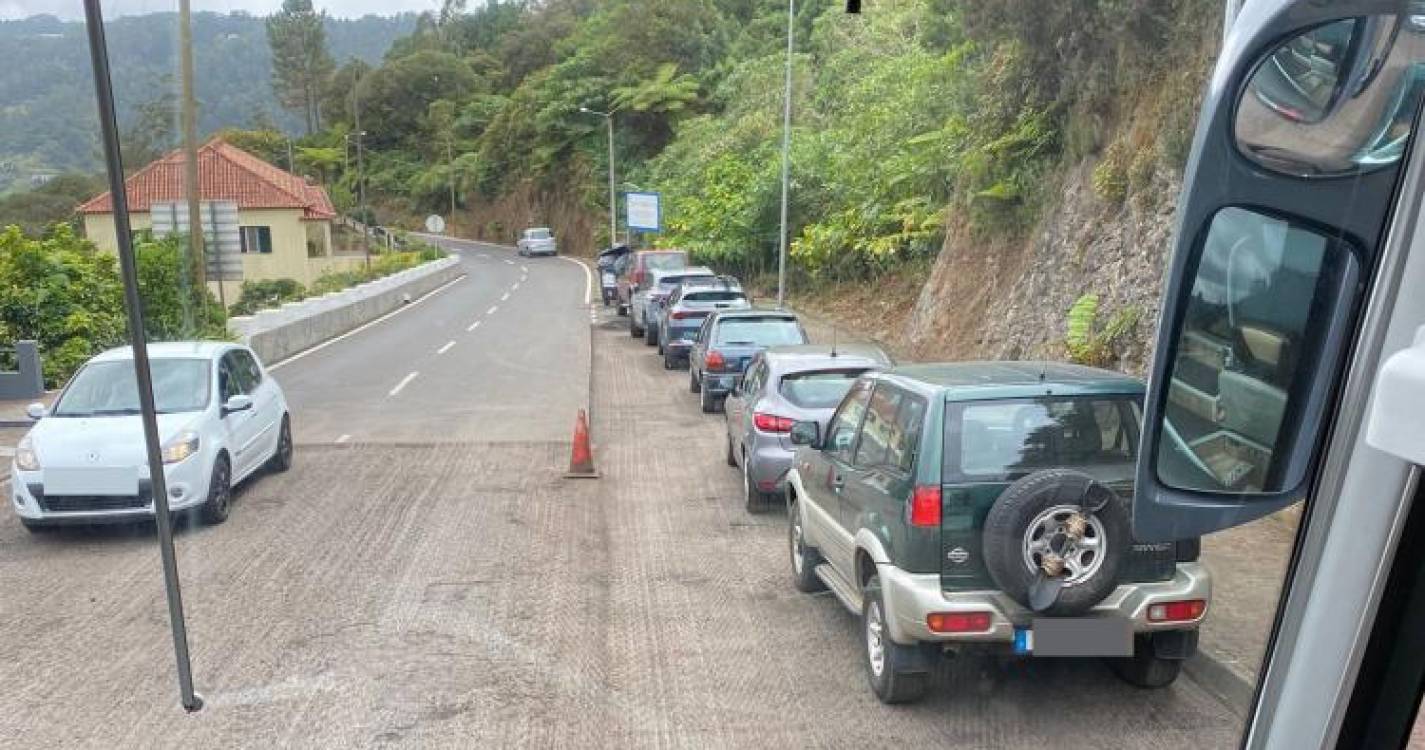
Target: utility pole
[
  {"x": 291, "y": 165},
  {"x": 198, "y": 275},
  {"x": 613, "y": 201},
  {"x": 360, "y": 176},
  {"x": 450, "y": 172},
  {"x": 786, "y": 158}
]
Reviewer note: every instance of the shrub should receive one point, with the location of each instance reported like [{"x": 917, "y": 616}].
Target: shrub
[
  {"x": 261, "y": 295},
  {"x": 1110, "y": 176},
  {"x": 1086, "y": 342}
]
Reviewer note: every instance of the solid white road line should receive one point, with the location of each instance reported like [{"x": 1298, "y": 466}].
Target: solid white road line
[
  {"x": 473, "y": 326},
  {"x": 364, "y": 326},
  {"x": 492, "y": 310},
  {"x": 404, "y": 382},
  {"x": 343, "y": 438},
  {"x": 504, "y": 296},
  {"x": 445, "y": 348},
  {"x": 588, "y": 278}
]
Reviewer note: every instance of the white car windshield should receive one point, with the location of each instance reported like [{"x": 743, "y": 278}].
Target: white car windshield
[{"x": 110, "y": 388}]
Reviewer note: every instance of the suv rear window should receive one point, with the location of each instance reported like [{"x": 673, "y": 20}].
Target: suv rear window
[
  {"x": 536, "y": 234},
  {"x": 664, "y": 261},
  {"x": 1005, "y": 440},
  {"x": 669, "y": 283},
  {"x": 817, "y": 389},
  {"x": 714, "y": 296},
  {"x": 759, "y": 332}
]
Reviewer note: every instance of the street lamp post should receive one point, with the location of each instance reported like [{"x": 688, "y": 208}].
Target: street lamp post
[
  {"x": 360, "y": 176},
  {"x": 613, "y": 202},
  {"x": 450, "y": 172},
  {"x": 786, "y": 158}
]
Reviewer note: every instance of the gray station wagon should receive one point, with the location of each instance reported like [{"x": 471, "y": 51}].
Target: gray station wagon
[
  {"x": 985, "y": 503},
  {"x": 785, "y": 385},
  {"x": 726, "y": 344}
]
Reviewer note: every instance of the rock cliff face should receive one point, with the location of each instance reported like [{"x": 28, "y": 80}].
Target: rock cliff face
[{"x": 1010, "y": 300}]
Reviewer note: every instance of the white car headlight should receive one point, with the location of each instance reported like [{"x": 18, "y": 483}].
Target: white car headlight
[
  {"x": 183, "y": 445},
  {"x": 25, "y": 457}
]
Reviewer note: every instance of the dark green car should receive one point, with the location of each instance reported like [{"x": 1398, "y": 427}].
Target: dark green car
[{"x": 987, "y": 503}]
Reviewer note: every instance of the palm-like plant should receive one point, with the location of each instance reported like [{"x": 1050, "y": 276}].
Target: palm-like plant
[{"x": 666, "y": 91}]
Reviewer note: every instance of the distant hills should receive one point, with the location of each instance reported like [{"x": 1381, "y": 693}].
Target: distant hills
[{"x": 47, "y": 113}]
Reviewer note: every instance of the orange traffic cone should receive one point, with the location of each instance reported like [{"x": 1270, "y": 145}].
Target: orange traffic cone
[{"x": 581, "y": 462}]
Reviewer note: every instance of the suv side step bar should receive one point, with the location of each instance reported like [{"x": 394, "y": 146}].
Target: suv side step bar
[{"x": 843, "y": 589}]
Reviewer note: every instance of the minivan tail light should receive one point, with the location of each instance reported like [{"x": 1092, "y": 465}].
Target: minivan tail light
[
  {"x": 772, "y": 423},
  {"x": 715, "y": 360},
  {"x": 925, "y": 507}
]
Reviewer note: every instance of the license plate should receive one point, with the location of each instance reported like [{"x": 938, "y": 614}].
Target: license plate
[
  {"x": 122, "y": 480},
  {"x": 1075, "y": 636}
]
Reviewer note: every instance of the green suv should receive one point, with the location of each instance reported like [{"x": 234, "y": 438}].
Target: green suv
[{"x": 988, "y": 503}]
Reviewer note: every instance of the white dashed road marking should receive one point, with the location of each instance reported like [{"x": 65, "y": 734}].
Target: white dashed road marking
[
  {"x": 445, "y": 348},
  {"x": 492, "y": 310},
  {"x": 473, "y": 326},
  {"x": 524, "y": 269},
  {"x": 509, "y": 262},
  {"x": 504, "y": 296},
  {"x": 343, "y": 438},
  {"x": 404, "y": 382},
  {"x": 517, "y": 285}
]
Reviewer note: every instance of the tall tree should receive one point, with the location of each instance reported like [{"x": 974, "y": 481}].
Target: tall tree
[{"x": 300, "y": 63}]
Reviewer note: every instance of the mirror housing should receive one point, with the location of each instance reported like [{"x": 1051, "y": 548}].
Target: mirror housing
[
  {"x": 1397, "y": 410},
  {"x": 806, "y": 432},
  {"x": 36, "y": 411},
  {"x": 236, "y": 403}
]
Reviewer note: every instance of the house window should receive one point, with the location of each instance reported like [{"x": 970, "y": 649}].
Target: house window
[{"x": 256, "y": 239}]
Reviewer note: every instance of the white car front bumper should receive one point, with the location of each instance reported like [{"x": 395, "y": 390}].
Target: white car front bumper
[{"x": 187, "y": 483}]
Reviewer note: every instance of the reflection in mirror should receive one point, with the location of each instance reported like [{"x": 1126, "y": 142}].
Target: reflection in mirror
[
  {"x": 1337, "y": 99},
  {"x": 1250, "y": 335}
]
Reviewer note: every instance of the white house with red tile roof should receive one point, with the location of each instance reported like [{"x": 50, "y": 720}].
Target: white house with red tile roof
[{"x": 286, "y": 222}]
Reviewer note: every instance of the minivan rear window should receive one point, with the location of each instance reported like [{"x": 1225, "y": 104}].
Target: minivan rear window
[
  {"x": 817, "y": 389},
  {"x": 1004, "y": 440}
]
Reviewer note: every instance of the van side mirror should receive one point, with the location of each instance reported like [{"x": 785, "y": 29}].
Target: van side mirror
[{"x": 806, "y": 433}]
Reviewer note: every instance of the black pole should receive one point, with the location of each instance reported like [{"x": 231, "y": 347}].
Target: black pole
[{"x": 113, "y": 164}]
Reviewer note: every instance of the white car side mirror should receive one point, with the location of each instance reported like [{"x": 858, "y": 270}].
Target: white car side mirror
[
  {"x": 36, "y": 411},
  {"x": 238, "y": 402},
  {"x": 1398, "y": 411}
]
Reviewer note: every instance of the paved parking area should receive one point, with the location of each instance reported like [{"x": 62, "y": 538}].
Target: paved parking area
[{"x": 463, "y": 594}]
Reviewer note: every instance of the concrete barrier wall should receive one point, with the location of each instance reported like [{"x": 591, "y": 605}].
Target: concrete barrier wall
[{"x": 279, "y": 333}]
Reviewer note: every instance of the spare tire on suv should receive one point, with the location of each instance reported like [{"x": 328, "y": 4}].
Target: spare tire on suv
[{"x": 1041, "y": 521}]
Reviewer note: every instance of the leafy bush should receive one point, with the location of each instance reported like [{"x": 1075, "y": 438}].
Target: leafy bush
[
  {"x": 1086, "y": 342},
  {"x": 67, "y": 295},
  {"x": 1110, "y": 175},
  {"x": 384, "y": 264},
  {"x": 260, "y": 295}
]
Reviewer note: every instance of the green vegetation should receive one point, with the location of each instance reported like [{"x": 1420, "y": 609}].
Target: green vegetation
[
  {"x": 911, "y": 117},
  {"x": 1087, "y": 342},
  {"x": 65, "y": 294},
  {"x": 261, "y": 295},
  {"x": 53, "y": 202}
]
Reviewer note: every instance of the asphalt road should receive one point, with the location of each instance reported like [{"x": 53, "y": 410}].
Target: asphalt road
[{"x": 432, "y": 581}]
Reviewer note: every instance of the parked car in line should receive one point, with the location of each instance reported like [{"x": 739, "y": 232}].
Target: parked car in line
[
  {"x": 221, "y": 417},
  {"x": 678, "y": 320},
  {"x": 987, "y": 503},
  {"x": 610, "y": 262},
  {"x": 727, "y": 342},
  {"x": 536, "y": 241},
  {"x": 643, "y": 315},
  {"x": 785, "y": 385},
  {"x": 635, "y": 275}
]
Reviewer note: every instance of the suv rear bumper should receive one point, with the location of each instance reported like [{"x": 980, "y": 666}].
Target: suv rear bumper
[{"x": 910, "y": 597}]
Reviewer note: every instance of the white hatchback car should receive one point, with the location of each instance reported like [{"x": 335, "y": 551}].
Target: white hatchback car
[{"x": 221, "y": 417}]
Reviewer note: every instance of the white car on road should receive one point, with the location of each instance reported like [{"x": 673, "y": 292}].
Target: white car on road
[
  {"x": 221, "y": 417},
  {"x": 537, "y": 241}
]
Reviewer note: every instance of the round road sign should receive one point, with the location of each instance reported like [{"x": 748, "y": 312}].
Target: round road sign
[{"x": 435, "y": 224}]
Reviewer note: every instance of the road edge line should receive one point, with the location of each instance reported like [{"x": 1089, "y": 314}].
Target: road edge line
[
  {"x": 318, "y": 347},
  {"x": 588, "y": 277}
]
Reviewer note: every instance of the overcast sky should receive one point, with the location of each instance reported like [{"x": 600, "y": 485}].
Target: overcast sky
[{"x": 74, "y": 9}]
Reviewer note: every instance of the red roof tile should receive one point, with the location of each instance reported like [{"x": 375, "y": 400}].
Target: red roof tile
[{"x": 225, "y": 172}]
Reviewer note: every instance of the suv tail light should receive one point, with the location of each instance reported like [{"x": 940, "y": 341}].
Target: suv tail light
[
  {"x": 715, "y": 360},
  {"x": 771, "y": 422},
  {"x": 959, "y": 622},
  {"x": 685, "y": 314},
  {"x": 1184, "y": 611},
  {"x": 925, "y": 507}
]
